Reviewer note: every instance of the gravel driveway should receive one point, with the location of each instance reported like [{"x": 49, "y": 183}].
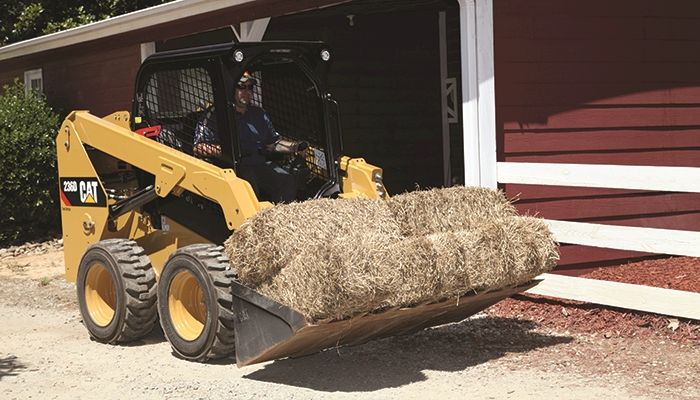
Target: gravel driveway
[{"x": 45, "y": 352}]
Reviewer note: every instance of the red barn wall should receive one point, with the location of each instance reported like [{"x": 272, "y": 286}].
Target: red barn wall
[
  {"x": 8, "y": 75},
  {"x": 102, "y": 82},
  {"x": 99, "y": 80},
  {"x": 600, "y": 82}
]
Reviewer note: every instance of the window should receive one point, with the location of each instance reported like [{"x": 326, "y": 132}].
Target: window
[{"x": 33, "y": 81}]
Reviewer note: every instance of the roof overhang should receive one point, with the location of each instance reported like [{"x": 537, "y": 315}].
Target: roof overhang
[{"x": 145, "y": 18}]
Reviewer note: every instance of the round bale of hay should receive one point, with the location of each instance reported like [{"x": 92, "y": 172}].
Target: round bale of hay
[
  {"x": 446, "y": 210},
  {"x": 273, "y": 238}
]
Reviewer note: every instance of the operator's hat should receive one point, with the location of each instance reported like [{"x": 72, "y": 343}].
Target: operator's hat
[{"x": 247, "y": 80}]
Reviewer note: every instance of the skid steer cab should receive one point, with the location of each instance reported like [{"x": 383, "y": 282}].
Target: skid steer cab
[
  {"x": 190, "y": 101},
  {"x": 149, "y": 197}
]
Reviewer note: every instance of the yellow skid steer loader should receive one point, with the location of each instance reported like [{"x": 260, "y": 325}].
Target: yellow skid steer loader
[{"x": 144, "y": 213}]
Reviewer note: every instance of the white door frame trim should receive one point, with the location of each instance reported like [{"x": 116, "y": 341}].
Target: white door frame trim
[
  {"x": 442, "y": 33},
  {"x": 478, "y": 92}
]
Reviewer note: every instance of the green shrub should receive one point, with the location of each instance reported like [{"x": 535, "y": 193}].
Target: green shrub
[{"x": 28, "y": 175}]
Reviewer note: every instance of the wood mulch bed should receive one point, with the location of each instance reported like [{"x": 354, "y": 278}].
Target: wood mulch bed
[{"x": 680, "y": 273}]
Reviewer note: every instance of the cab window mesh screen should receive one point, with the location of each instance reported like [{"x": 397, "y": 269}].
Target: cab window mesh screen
[
  {"x": 181, "y": 102},
  {"x": 291, "y": 100},
  {"x": 294, "y": 106}
]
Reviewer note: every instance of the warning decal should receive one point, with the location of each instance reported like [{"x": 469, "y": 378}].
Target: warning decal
[{"x": 82, "y": 192}]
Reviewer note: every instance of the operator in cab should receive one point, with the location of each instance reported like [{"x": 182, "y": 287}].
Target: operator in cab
[{"x": 257, "y": 140}]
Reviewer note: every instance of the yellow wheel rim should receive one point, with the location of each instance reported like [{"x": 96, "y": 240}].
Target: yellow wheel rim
[
  {"x": 188, "y": 312},
  {"x": 100, "y": 294}
]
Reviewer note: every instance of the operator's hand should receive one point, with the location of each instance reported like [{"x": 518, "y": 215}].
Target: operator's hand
[
  {"x": 207, "y": 150},
  {"x": 301, "y": 146},
  {"x": 284, "y": 146}
]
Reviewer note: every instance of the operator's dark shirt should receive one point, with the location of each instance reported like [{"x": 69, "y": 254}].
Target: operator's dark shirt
[{"x": 255, "y": 131}]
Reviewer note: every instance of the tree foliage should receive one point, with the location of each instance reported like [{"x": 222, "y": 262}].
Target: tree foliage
[
  {"x": 28, "y": 188},
  {"x": 26, "y": 19}
]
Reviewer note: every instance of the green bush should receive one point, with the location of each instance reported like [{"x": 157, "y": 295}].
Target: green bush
[{"x": 28, "y": 175}]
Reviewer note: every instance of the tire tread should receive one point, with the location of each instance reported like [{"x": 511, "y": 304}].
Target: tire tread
[
  {"x": 218, "y": 268},
  {"x": 139, "y": 281}
]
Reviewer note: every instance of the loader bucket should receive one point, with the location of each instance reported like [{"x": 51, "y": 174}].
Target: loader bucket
[{"x": 266, "y": 330}]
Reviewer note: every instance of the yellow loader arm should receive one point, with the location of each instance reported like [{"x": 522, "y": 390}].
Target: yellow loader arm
[
  {"x": 173, "y": 170},
  {"x": 85, "y": 211}
]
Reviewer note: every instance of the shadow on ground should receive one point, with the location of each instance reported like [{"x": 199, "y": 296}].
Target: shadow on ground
[
  {"x": 10, "y": 366},
  {"x": 398, "y": 361},
  {"x": 156, "y": 336}
]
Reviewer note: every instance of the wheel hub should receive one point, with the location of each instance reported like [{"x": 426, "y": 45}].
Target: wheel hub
[
  {"x": 100, "y": 295},
  {"x": 188, "y": 311}
]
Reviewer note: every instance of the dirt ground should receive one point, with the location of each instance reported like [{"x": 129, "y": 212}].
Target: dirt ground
[{"x": 45, "y": 352}]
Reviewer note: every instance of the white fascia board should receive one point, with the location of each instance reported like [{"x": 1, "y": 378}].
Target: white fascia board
[{"x": 124, "y": 23}]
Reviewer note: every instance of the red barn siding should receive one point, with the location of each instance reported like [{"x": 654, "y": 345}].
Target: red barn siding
[
  {"x": 600, "y": 82},
  {"x": 576, "y": 260},
  {"x": 101, "y": 81},
  {"x": 9, "y": 75}
]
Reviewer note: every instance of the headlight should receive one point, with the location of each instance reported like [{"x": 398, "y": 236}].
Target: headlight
[{"x": 379, "y": 183}]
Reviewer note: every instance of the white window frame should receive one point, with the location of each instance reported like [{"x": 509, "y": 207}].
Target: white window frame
[{"x": 29, "y": 76}]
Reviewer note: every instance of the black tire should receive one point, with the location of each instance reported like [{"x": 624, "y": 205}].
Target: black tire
[
  {"x": 116, "y": 290},
  {"x": 195, "y": 302}
]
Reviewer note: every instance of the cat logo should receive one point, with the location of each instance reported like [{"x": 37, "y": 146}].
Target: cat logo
[
  {"x": 88, "y": 192},
  {"x": 85, "y": 192}
]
